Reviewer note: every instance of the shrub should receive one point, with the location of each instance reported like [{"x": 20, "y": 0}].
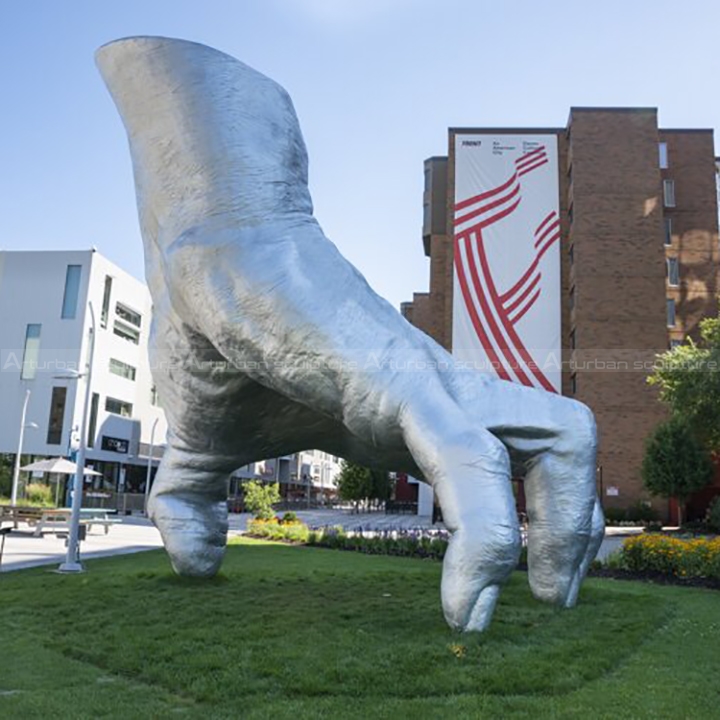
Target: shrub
[
  {"x": 39, "y": 494},
  {"x": 288, "y": 518},
  {"x": 259, "y": 498},
  {"x": 272, "y": 530},
  {"x": 698, "y": 557},
  {"x": 613, "y": 516},
  {"x": 713, "y": 515},
  {"x": 676, "y": 464}
]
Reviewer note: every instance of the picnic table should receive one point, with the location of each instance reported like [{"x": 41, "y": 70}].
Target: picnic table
[{"x": 57, "y": 519}]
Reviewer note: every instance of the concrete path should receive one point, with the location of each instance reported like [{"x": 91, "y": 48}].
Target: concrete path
[
  {"x": 136, "y": 533},
  {"x": 23, "y": 550}
]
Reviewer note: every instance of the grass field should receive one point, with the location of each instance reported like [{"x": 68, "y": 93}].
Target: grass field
[{"x": 293, "y": 632}]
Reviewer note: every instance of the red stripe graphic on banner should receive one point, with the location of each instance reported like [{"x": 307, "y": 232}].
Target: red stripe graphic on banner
[
  {"x": 525, "y": 162},
  {"x": 553, "y": 227},
  {"x": 531, "y": 154},
  {"x": 549, "y": 217},
  {"x": 490, "y": 206},
  {"x": 530, "y": 168},
  {"x": 477, "y": 323},
  {"x": 494, "y": 218},
  {"x": 524, "y": 294},
  {"x": 509, "y": 328},
  {"x": 516, "y": 319},
  {"x": 501, "y": 342},
  {"x": 484, "y": 195}
]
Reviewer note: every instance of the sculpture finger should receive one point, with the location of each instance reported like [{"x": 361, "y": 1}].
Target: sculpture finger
[
  {"x": 597, "y": 533},
  {"x": 561, "y": 500},
  {"x": 470, "y": 471},
  {"x": 188, "y": 505}
]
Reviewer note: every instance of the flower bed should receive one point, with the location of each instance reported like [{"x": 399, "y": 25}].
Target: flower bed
[
  {"x": 419, "y": 543},
  {"x": 278, "y": 529},
  {"x": 677, "y": 557}
]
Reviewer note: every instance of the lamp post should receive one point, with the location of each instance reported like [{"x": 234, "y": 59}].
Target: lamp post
[
  {"x": 16, "y": 469},
  {"x": 149, "y": 464},
  {"x": 71, "y": 564}
]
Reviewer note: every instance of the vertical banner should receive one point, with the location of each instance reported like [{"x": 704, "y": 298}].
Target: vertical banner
[{"x": 506, "y": 302}]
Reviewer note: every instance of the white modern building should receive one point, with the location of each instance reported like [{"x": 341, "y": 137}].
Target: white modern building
[
  {"x": 307, "y": 474},
  {"x": 44, "y": 336}
]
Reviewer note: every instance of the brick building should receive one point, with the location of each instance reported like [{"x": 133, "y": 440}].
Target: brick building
[{"x": 638, "y": 209}]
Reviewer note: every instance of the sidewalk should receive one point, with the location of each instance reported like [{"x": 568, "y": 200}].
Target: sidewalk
[{"x": 22, "y": 550}]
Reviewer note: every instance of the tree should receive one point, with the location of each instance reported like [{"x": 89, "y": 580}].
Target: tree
[
  {"x": 354, "y": 482},
  {"x": 676, "y": 463},
  {"x": 382, "y": 486},
  {"x": 688, "y": 377},
  {"x": 259, "y": 498},
  {"x": 6, "y": 472}
]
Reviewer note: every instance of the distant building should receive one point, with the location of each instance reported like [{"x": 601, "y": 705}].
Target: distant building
[
  {"x": 620, "y": 241},
  {"x": 44, "y": 331}
]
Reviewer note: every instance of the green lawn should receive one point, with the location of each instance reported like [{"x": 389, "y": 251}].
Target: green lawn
[{"x": 292, "y": 632}]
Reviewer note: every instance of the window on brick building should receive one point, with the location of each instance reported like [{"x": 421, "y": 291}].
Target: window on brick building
[
  {"x": 572, "y": 297},
  {"x": 673, "y": 271},
  {"x": 571, "y": 254},
  {"x": 573, "y": 383},
  {"x": 663, "y": 153},
  {"x": 674, "y": 342},
  {"x": 670, "y": 312},
  {"x": 572, "y": 339},
  {"x": 668, "y": 231},
  {"x": 669, "y": 193}
]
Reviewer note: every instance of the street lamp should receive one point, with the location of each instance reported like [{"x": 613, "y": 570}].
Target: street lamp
[
  {"x": 16, "y": 469},
  {"x": 149, "y": 463},
  {"x": 72, "y": 564}
]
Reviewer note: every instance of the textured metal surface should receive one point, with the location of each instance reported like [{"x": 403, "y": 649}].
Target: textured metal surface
[{"x": 266, "y": 341}]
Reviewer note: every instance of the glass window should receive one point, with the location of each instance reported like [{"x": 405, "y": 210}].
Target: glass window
[
  {"x": 571, "y": 254},
  {"x": 154, "y": 398},
  {"x": 126, "y": 332},
  {"x": 118, "y": 407},
  {"x": 72, "y": 290},
  {"x": 675, "y": 343},
  {"x": 668, "y": 231},
  {"x": 92, "y": 425},
  {"x": 670, "y": 312},
  {"x": 128, "y": 315},
  {"x": 669, "y": 193},
  {"x": 673, "y": 271},
  {"x": 106, "y": 302},
  {"x": 31, "y": 353},
  {"x": 573, "y": 383},
  {"x": 663, "y": 153},
  {"x": 57, "y": 415},
  {"x": 572, "y": 297},
  {"x": 117, "y": 367},
  {"x": 572, "y": 339}
]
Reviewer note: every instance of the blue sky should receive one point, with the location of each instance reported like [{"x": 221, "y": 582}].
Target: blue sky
[{"x": 376, "y": 83}]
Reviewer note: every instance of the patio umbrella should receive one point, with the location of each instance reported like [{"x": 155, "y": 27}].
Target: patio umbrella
[
  {"x": 57, "y": 465},
  {"x": 60, "y": 466}
]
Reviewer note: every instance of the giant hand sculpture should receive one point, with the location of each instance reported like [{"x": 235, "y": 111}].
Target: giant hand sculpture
[{"x": 240, "y": 272}]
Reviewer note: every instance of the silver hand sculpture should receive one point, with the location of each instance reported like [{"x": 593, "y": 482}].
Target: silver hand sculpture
[{"x": 266, "y": 341}]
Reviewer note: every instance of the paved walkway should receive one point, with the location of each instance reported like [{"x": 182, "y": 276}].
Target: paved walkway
[{"x": 136, "y": 533}]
